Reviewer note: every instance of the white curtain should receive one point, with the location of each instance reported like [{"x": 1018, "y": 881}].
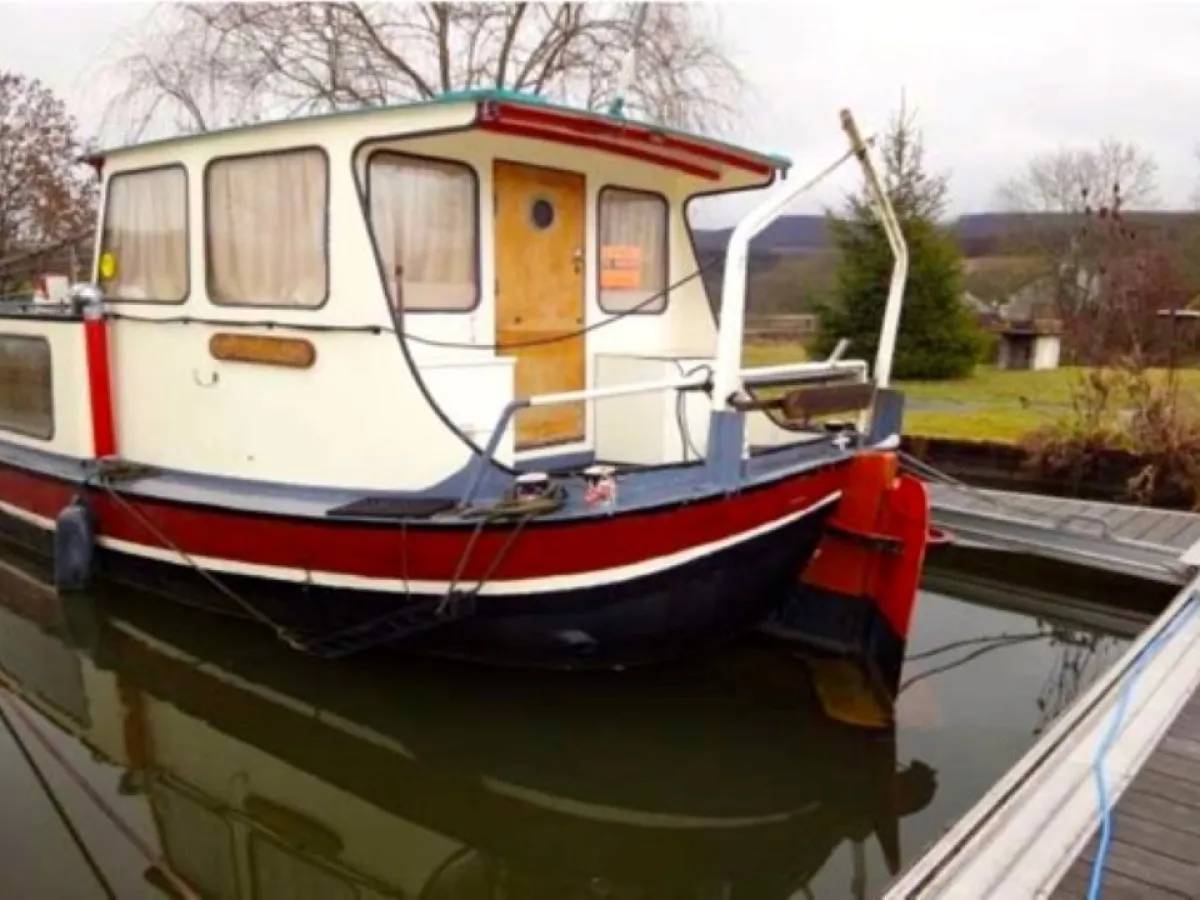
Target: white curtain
[
  {"x": 145, "y": 232},
  {"x": 267, "y": 218},
  {"x": 631, "y": 219},
  {"x": 424, "y": 217}
]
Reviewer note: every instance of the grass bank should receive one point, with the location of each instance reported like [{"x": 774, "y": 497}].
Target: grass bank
[{"x": 991, "y": 405}]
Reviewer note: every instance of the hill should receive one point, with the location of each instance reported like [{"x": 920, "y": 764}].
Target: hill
[{"x": 979, "y": 234}]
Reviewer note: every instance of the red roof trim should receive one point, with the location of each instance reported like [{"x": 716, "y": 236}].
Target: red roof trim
[
  {"x": 625, "y": 132},
  {"x": 565, "y": 137},
  {"x": 630, "y": 131}
]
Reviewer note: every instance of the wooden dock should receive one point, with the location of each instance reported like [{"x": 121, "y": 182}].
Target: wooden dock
[
  {"x": 1168, "y": 529},
  {"x": 1132, "y": 540},
  {"x": 1154, "y": 840}
]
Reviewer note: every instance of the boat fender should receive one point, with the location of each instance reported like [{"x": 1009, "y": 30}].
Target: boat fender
[{"x": 74, "y": 546}]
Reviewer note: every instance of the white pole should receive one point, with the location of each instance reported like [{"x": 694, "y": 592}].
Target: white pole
[
  {"x": 728, "y": 366},
  {"x": 882, "y": 206}
]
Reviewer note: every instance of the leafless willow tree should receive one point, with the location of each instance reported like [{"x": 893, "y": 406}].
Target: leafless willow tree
[
  {"x": 46, "y": 195},
  {"x": 200, "y": 66}
]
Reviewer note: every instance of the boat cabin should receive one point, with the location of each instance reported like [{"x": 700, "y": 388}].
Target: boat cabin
[{"x": 355, "y": 299}]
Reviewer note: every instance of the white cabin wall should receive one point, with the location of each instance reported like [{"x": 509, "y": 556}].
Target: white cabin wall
[
  {"x": 686, "y": 328},
  {"x": 355, "y": 419},
  {"x": 69, "y": 385}
]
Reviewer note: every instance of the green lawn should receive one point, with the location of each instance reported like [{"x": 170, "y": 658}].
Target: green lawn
[
  {"x": 1004, "y": 425},
  {"x": 995, "y": 405}
]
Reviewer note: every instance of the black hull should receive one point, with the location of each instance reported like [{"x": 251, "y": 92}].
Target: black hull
[{"x": 685, "y": 609}]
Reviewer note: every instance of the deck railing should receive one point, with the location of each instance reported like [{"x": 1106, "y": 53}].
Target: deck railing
[{"x": 482, "y": 461}]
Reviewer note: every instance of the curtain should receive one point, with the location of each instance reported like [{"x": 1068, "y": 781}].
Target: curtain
[
  {"x": 633, "y": 234},
  {"x": 26, "y": 386},
  {"x": 424, "y": 217},
  {"x": 145, "y": 232},
  {"x": 267, "y": 221}
]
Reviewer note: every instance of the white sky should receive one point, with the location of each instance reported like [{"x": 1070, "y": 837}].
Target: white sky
[{"x": 993, "y": 82}]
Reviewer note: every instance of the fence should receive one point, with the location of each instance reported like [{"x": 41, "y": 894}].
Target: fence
[{"x": 796, "y": 327}]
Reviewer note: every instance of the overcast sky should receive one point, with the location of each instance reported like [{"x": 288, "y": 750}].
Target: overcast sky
[{"x": 993, "y": 82}]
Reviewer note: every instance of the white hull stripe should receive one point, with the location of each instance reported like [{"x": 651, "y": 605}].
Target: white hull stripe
[{"x": 550, "y": 584}]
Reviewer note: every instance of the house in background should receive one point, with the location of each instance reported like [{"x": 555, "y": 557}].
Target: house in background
[
  {"x": 1030, "y": 333},
  {"x": 1030, "y": 344}
]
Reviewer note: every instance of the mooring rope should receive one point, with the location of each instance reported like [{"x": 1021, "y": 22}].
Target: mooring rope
[
  {"x": 506, "y": 509},
  {"x": 204, "y": 573}
]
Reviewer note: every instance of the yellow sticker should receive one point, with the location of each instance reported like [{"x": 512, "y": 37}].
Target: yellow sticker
[{"x": 108, "y": 266}]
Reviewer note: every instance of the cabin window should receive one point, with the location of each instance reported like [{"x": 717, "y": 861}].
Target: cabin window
[
  {"x": 26, "y": 389},
  {"x": 425, "y": 219},
  {"x": 144, "y": 243},
  {"x": 267, "y": 228},
  {"x": 633, "y": 251}
]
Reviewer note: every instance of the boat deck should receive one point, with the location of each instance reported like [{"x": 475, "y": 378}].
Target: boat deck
[
  {"x": 1154, "y": 841},
  {"x": 1161, "y": 545}
]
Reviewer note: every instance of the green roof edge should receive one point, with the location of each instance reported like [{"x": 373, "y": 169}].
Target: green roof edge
[{"x": 476, "y": 95}]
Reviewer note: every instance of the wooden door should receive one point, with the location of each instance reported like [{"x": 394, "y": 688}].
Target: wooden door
[{"x": 539, "y": 294}]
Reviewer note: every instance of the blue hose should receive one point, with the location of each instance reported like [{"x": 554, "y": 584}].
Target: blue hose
[{"x": 1144, "y": 656}]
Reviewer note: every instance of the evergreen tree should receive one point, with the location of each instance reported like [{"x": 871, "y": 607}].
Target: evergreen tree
[{"x": 938, "y": 336}]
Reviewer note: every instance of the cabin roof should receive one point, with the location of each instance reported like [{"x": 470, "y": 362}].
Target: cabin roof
[{"x": 491, "y": 98}]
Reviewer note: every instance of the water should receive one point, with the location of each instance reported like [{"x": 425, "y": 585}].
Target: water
[{"x": 268, "y": 775}]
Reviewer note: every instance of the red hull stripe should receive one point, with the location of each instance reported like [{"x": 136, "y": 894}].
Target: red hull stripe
[{"x": 431, "y": 554}]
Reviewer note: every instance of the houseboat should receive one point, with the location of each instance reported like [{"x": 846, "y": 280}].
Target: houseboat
[{"x": 444, "y": 374}]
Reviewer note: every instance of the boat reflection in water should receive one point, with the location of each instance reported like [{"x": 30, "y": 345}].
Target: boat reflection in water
[{"x": 270, "y": 775}]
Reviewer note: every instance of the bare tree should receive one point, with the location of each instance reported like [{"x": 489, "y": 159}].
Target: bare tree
[
  {"x": 1064, "y": 181},
  {"x": 201, "y": 66},
  {"x": 46, "y": 195},
  {"x": 1052, "y": 196}
]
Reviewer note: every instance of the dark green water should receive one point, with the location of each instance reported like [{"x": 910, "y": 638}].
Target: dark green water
[{"x": 266, "y": 775}]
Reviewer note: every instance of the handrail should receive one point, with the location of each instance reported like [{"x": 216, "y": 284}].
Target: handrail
[
  {"x": 816, "y": 369},
  {"x": 732, "y": 322},
  {"x": 688, "y": 382}
]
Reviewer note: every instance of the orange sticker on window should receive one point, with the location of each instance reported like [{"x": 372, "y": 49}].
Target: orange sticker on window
[{"x": 620, "y": 267}]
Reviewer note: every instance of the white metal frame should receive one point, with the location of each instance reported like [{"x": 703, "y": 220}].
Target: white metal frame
[{"x": 729, "y": 375}]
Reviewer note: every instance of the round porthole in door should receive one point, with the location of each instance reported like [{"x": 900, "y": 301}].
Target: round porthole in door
[{"x": 541, "y": 213}]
